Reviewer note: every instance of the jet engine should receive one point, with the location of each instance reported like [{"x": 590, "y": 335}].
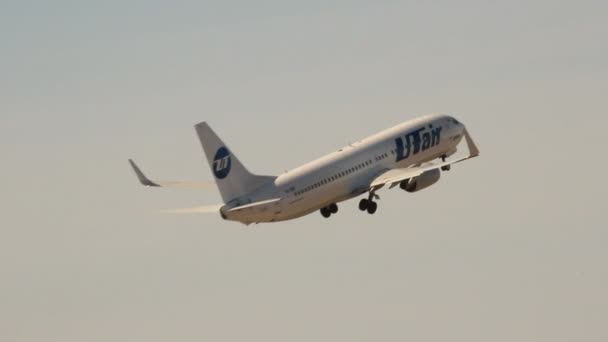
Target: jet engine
[{"x": 421, "y": 182}]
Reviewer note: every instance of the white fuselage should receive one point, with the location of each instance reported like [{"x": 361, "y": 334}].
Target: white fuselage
[{"x": 347, "y": 173}]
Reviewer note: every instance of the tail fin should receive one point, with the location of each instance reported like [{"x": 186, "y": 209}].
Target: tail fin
[{"x": 231, "y": 177}]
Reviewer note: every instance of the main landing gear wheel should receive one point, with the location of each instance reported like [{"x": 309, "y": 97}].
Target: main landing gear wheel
[
  {"x": 368, "y": 205},
  {"x": 363, "y": 204},
  {"x": 372, "y": 207}
]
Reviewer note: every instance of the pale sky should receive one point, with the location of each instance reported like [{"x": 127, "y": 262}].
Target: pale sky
[{"x": 510, "y": 246}]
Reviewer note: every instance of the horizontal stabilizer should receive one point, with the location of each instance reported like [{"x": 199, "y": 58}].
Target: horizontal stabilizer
[
  {"x": 208, "y": 209},
  {"x": 255, "y": 205},
  {"x": 178, "y": 184}
]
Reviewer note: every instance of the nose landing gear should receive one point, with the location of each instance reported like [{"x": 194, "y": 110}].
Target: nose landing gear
[{"x": 445, "y": 167}]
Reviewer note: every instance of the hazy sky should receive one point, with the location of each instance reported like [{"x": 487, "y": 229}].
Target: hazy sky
[{"x": 510, "y": 246}]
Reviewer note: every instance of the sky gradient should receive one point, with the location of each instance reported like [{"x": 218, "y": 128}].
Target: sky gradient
[{"x": 510, "y": 246}]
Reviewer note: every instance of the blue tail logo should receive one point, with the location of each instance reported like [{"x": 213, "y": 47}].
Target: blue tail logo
[{"x": 222, "y": 163}]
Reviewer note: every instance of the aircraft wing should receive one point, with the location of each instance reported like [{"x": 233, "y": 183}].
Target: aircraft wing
[
  {"x": 395, "y": 176},
  {"x": 179, "y": 184}
]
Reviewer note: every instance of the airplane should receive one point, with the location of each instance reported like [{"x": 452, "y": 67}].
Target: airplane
[{"x": 410, "y": 155}]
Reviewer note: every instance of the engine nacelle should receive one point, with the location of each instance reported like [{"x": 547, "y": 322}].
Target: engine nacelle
[{"x": 421, "y": 182}]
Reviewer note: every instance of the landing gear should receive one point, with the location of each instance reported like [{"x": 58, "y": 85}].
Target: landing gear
[
  {"x": 368, "y": 205},
  {"x": 330, "y": 209},
  {"x": 445, "y": 167},
  {"x": 325, "y": 212},
  {"x": 372, "y": 207},
  {"x": 363, "y": 204},
  {"x": 333, "y": 208}
]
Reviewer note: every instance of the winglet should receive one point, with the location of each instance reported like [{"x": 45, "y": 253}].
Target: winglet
[
  {"x": 473, "y": 150},
  {"x": 140, "y": 175}
]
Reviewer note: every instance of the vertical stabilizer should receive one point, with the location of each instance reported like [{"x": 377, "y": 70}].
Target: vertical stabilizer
[{"x": 232, "y": 178}]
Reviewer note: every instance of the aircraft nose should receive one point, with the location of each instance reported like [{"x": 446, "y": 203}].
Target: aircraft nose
[
  {"x": 456, "y": 123},
  {"x": 455, "y": 126}
]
